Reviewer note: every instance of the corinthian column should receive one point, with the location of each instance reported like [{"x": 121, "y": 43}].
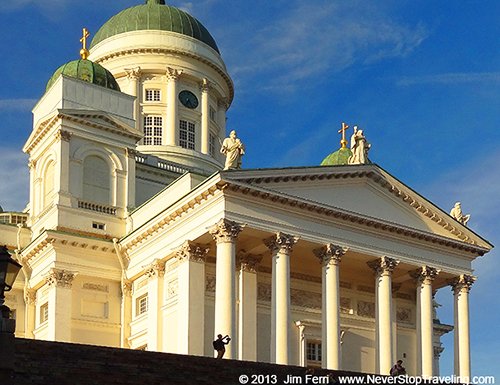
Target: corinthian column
[
  {"x": 281, "y": 247},
  {"x": 172, "y": 105},
  {"x": 133, "y": 75},
  {"x": 461, "y": 287},
  {"x": 225, "y": 233},
  {"x": 383, "y": 268},
  {"x": 425, "y": 326},
  {"x": 330, "y": 256}
]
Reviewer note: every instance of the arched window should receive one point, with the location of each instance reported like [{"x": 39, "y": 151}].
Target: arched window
[
  {"x": 96, "y": 180},
  {"x": 48, "y": 184}
]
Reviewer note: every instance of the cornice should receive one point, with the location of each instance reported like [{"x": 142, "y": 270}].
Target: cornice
[
  {"x": 169, "y": 51},
  {"x": 374, "y": 173},
  {"x": 378, "y": 224}
]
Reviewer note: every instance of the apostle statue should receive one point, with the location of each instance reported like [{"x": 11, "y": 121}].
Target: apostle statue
[
  {"x": 359, "y": 148},
  {"x": 456, "y": 212},
  {"x": 234, "y": 149}
]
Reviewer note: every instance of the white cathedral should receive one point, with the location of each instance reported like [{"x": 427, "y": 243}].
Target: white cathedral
[{"x": 135, "y": 237}]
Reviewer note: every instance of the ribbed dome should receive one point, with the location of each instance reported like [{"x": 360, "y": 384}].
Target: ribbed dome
[
  {"x": 337, "y": 158},
  {"x": 88, "y": 71},
  {"x": 154, "y": 15}
]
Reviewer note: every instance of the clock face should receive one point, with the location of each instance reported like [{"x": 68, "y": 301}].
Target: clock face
[{"x": 188, "y": 99}]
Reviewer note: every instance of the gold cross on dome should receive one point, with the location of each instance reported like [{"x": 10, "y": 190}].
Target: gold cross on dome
[
  {"x": 84, "y": 53},
  {"x": 344, "y": 128}
]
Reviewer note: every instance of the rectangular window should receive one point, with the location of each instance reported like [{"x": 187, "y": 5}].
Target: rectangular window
[
  {"x": 98, "y": 226},
  {"x": 314, "y": 352},
  {"x": 153, "y": 95},
  {"x": 44, "y": 312},
  {"x": 212, "y": 144},
  {"x": 141, "y": 305},
  {"x": 212, "y": 114},
  {"x": 186, "y": 134},
  {"x": 153, "y": 126}
]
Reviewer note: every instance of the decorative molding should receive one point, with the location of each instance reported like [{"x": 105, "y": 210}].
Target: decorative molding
[
  {"x": 249, "y": 262},
  {"x": 62, "y": 135},
  {"x": 281, "y": 243},
  {"x": 424, "y": 275},
  {"x": 60, "y": 278},
  {"x": 210, "y": 283},
  {"x": 366, "y": 289},
  {"x": 225, "y": 231},
  {"x": 172, "y": 288},
  {"x": 155, "y": 269},
  {"x": 345, "y": 305},
  {"x": 404, "y": 315},
  {"x": 133, "y": 73},
  {"x": 173, "y": 73},
  {"x": 131, "y": 153},
  {"x": 30, "y": 296},
  {"x": 366, "y": 309},
  {"x": 95, "y": 287},
  {"x": 190, "y": 251},
  {"x": 383, "y": 265},
  {"x": 437, "y": 351},
  {"x": 330, "y": 254},
  {"x": 205, "y": 85},
  {"x": 463, "y": 283},
  {"x": 127, "y": 288}
]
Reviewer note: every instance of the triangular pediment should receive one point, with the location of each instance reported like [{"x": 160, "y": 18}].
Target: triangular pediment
[{"x": 365, "y": 190}]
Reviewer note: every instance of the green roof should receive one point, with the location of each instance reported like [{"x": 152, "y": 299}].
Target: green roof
[
  {"x": 154, "y": 15},
  {"x": 337, "y": 158},
  {"x": 87, "y": 71}
]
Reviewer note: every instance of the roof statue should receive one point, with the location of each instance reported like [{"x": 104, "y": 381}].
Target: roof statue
[
  {"x": 359, "y": 148},
  {"x": 234, "y": 149},
  {"x": 456, "y": 212},
  {"x": 340, "y": 156}
]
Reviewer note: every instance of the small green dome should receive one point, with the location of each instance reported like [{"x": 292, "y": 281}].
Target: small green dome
[
  {"x": 87, "y": 71},
  {"x": 337, "y": 158},
  {"x": 154, "y": 15}
]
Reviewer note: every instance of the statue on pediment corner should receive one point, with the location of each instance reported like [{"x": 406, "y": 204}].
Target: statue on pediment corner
[
  {"x": 359, "y": 148},
  {"x": 456, "y": 212}
]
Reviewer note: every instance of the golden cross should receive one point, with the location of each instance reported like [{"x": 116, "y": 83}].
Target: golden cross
[
  {"x": 84, "y": 53},
  {"x": 344, "y": 128}
]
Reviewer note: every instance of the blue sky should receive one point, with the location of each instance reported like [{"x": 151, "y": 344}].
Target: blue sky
[{"x": 422, "y": 78}]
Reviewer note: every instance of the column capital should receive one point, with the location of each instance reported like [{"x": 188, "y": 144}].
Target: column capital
[
  {"x": 223, "y": 103},
  {"x": 130, "y": 153},
  {"x": 225, "y": 230},
  {"x": 437, "y": 351},
  {"x": 205, "y": 85},
  {"x": 127, "y": 288},
  {"x": 462, "y": 283},
  {"x": 133, "y": 73},
  {"x": 156, "y": 269},
  {"x": 173, "y": 73},
  {"x": 190, "y": 251},
  {"x": 31, "y": 163},
  {"x": 60, "y": 278},
  {"x": 30, "y": 296},
  {"x": 62, "y": 135},
  {"x": 330, "y": 254},
  {"x": 383, "y": 265},
  {"x": 249, "y": 262},
  {"x": 281, "y": 242},
  {"x": 424, "y": 274}
]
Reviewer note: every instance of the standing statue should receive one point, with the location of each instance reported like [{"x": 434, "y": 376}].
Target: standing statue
[
  {"x": 456, "y": 212},
  {"x": 234, "y": 149},
  {"x": 359, "y": 148}
]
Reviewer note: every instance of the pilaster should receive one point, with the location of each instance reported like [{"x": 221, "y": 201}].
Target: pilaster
[
  {"x": 126, "y": 316},
  {"x": 204, "y": 88},
  {"x": 247, "y": 330},
  {"x": 61, "y": 171},
  {"x": 172, "y": 105},
  {"x": 134, "y": 76},
  {"x": 191, "y": 304},
  {"x": 155, "y": 272}
]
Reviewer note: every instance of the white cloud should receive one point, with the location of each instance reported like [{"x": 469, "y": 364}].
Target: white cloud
[
  {"x": 451, "y": 78},
  {"x": 308, "y": 39},
  {"x": 17, "y": 104},
  {"x": 14, "y": 177}
]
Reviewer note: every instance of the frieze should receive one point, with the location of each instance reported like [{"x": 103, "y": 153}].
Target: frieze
[
  {"x": 210, "y": 283},
  {"x": 345, "y": 305}
]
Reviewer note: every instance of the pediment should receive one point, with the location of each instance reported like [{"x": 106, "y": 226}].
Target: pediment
[{"x": 365, "y": 190}]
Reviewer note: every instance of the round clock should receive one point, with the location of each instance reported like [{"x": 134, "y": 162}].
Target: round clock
[{"x": 188, "y": 99}]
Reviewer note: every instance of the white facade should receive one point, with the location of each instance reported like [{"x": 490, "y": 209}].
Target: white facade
[{"x": 133, "y": 244}]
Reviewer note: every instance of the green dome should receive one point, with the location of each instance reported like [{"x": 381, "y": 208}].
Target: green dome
[
  {"x": 154, "y": 15},
  {"x": 337, "y": 158},
  {"x": 87, "y": 71}
]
